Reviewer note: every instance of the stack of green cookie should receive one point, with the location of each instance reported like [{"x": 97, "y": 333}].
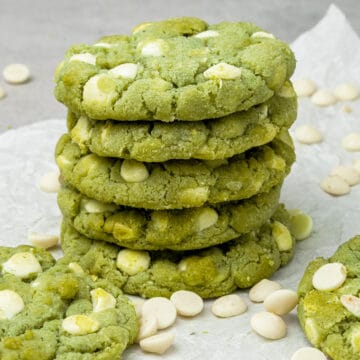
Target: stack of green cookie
[{"x": 176, "y": 150}]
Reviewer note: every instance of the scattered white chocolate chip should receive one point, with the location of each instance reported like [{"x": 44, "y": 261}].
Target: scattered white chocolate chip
[
  {"x": 16, "y": 73},
  {"x": 207, "y": 34},
  {"x": 228, "y": 306},
  {"x": 159, "y": 343},
  {"x": 282, "y": 236},
  {"x": 351, "y": 142},
  {"x": 133, "y": 171},
  {"x": 103, "y": 45},
  {"x": 187, "y": 303},
  {"x": 102, "y": 300},
  {"x": 75, "y": 268},
  {"x": 208, "y": 217},
  {"x": 308, "y": 353},
  {"x": 347, "y": 173},
  {"x": 44, "y": 241},
  {"x": 154, "y": 48},
  {"x": 268, "y": 325},
  {"x": 162, "y": 308},
  {"x": 323, "y": 98},
  {"x": 93, "y": 206},
  {"x": 50, "y": 182},
  {"x": 11, "y": 304},
  {"x": 262, "y": 34},
  {"x": 307, "y": 134},
  {"x": 222, "y": 71},
  {"x": 2, "y": 93},
  {"x": 133, "y": 261},
  {"x": 125, "y": 71},
  {"x": 281, "y": 302},
  {"x": 301, "y": 224},
  {"x": 346, "y": 92},
  {"x": 260, "y": 291},
  {"x": 356, "y": 165},
  {"x": 335, "y": 185},
  {"x": 329, "y": 277},
  {"x": 148, "y": 326},
  {"x": 304, "y": 87},
  {"x": 22, "y": 265},
  {"x": 80, "y": 325},
  {"x": 85, "y": 57},
  {"x": 351, "y": 303}
]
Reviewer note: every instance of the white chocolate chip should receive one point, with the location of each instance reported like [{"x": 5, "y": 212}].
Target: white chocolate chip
[
  {"x": 22, "y": 265},
  {"x": 85, "y": 57},
  {"x": 260, "y": 291},
  {"x": 335, "y": 185},
  {"x": 50, "y": 182},
  {"x": 2, "y": 93},
  {"x": 187, "y": 303},
  {"x": 308, "y": 353},
  {"x": 157, "y": 344},
  {"x": 11, "y": 304},
  {"x": 281, "y": 301},
  {"x": 125, "y": 71},
  {"x": 222, "y": 71},
  {"x": 282, "y": 236},
  {"x": 307, "y": 134},
  {"x": 304, "y": 87},
  {"x": 207, "y": 34},
  {"x": 323, "y": 98},
  {"x": 268, "y": 325},
  {"x": 80, "y": 325},
  {"x": 103, "y": 45},
  {"x": 99, "y": 90},
  {"x": 96, "y": 207},
  {"x": 133, "y": 171},
  {"x": 301, "y": 224},
  {"x": 162, "y": 308},
  {"x": 148, "y": 326},
  {"x": 329, "y": 277},
  {"x": 102, "y": 300},
  {"x": 16, "y": 74},
  {"x": 133, "y": 261},
  {"x": 346, "y": 92},
  {"x": 154, "y": 48},
  {"x": 208, "y": 217},
  {"x": 262, "y": 34},
  {"x": 138, "y": 304},
  {"x": 351, "y": 303},
  {"x": 286, "y": 91},
  {"x": 228, "y": 305},
  {"x": 81, "y": 132},
  {"x": 44, "y": 241},
  {"x": 351, "y": 142},
  {"x": 76, "y": 268},
  {"x": 347, "y": 173}
]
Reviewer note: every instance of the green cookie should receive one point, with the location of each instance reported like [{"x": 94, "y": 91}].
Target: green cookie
[
  {"x": 63, "y": 313},
  {"x": 186, "y": 229},
  {"x": 175, "y": 69},
  {"x": 330, "y": 319},
  {"x": 211, "y": 272},
  {"x": 208, "y": 140},
  {"x": 174, "y": 184}
]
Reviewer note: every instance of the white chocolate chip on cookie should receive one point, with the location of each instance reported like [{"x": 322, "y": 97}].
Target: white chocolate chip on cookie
[
  {"x": 11, "y": 304},
  {"x": 162, "y": 308},
  {"x": 351, "y": 303},
  {"x": 154, "y": 48},
  {"x": 85, "y": 58},
  {"x": 102, "y": 300},
  {"x": 228, "y": 306},
  {"x": 222, "y": 71},
  {"x": 347, "y": 173},
  {"x": 323, "y": 97},
  {"x": 346, "y": 92},
  {"x": 133, "y": 171},
  {"x": 329, "y": 277},
  {"x": 207, "y": 34},
  {"x": 44, "y": 241},
  {"x": 50, "y": 182},
  {"x": 16, "y": 73},
  {"x": 22, "y": 265},
  {"x": 187, "y": 303},
  {"x": 281, "y": 301},
  {"x": 208, "y": 217},
  {"x": 335, "y": 185},
  {"x": 301, "y": 224},
  {"x": 307, "y": 134},
  {"x": 351, "y": 142},
  {"x": 260, "y": 291},
  {"x": 125, "y": 71},
  {"x": 282, "y": 236},
  {"x": 133, "y": 261},
  {"x": 103, "y": 45},
  {"x": 93, "y": 206},
  {"x": 159, "y": 343},
  {"x": 304, "y": 87},
  {"x": 80, "y": 325},
  {"x": 262, "y": 34},
  {"x": 268, "y": 325}
]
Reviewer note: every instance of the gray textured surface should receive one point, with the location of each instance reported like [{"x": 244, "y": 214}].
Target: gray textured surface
[{"x": 38, "y": 33}]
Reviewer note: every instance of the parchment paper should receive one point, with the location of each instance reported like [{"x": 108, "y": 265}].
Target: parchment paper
[{"x": 329, "y": 54}]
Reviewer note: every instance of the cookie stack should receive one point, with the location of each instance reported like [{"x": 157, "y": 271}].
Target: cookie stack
[{"x": 176, "y": 150}]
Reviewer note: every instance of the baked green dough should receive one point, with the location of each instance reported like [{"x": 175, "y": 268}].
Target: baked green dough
[
  {"x": 210, "y": 272},
  {"x": 56, "y": 293},
  {"x": 173, "y": 72},
  {"x": 326, "y": 322},
  {"x": 208, "y": 140},
  {"x": 186, "y": 229},
  {"x": 174, "y": 184}
]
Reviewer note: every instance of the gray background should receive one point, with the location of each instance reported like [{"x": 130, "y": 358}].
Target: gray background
[{"x": 38, "y": 33}]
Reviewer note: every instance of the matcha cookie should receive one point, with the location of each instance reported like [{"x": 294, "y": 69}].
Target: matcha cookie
[
  {"x": 174, "y": 184},
  {"x": 329, "y": 310},
  {"x": 208, "y": 140},
  {"x": 62, "y": 313},
  {"x": 175, "y": 69},
  {"x": 211, "y": 272},
  {"x": 186, "y": 229}
]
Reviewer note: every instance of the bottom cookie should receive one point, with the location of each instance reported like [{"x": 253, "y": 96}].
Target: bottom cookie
[
  {"x": 211, "y": 272},
  {"x": 329, "y": 314},
  {"x": 57, "y": 311}
]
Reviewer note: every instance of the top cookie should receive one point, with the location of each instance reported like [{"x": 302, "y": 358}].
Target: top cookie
[{"x": 180, "y": 68}]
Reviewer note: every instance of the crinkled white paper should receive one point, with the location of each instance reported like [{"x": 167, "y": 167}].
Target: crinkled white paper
[{"x": 329, "y": 54}]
